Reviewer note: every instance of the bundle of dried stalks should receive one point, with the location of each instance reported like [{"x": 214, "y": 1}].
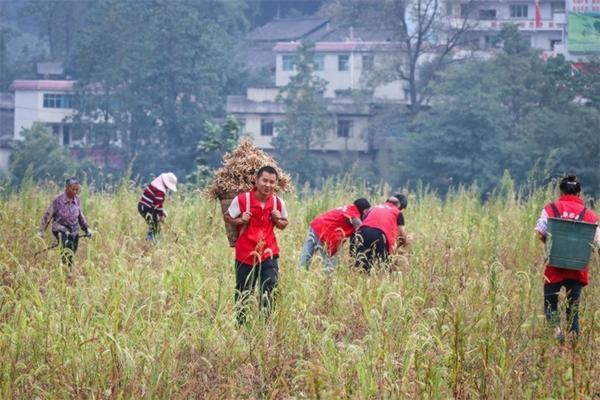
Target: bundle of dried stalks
[{"x": 239, "y": 170}]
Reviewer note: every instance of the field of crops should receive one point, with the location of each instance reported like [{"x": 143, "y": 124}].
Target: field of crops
[{"x": 458, "y": 315}]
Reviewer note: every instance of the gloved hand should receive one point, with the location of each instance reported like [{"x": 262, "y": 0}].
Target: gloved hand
[
  {"x": 40, "y": 234},
  {"x": 89, "y": 233}
]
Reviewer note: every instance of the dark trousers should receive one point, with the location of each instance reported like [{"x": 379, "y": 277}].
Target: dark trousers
[
  {"x": 151, "y": 217},
  {"x": 551, "y": 291},
  {"x": 67, "y": 243},
  {"x": 246, "y": 277},
  {"x": 369, "y": 247}
]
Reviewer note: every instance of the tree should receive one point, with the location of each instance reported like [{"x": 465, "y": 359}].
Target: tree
[
  {"x": 219, "y": 139},
  {"x": 41, "y": 152},
  {"x": 58, "y": 22},
  {"x": 307, "y": 121},
  {"x": 423, "y": 41},
  {"x": 151, "y": 74},
  {"x": 511, "y": 113}
]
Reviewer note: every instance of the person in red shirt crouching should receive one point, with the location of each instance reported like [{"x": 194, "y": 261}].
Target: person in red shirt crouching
[
  {"x": 328, "y": 230},
  {"x": 378, "y": 234},
  {"x": 568, "y": 206},
  {"x": 257, "y": 213}
]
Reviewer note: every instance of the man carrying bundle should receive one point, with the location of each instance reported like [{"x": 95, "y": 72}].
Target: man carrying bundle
[
  {"x": 376, "y": 238},
  {"x": 328, "y": 230},
  {"x": 569, "y": 206},
  {"x": 257, "y": 213}
]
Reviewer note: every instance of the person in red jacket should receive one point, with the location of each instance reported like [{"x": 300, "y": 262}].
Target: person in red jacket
[
  {"x": 568, "y": 206},
  {"x": 327, "y": 231},
  {"x": 257, "y": 213},
  {"x": 376, "y": 238}
]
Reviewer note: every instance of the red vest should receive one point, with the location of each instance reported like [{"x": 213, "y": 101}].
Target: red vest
[
  {"x": 334, "y": 225},
  {"x": 257, "y": 241},
  {"x": 385, "y": 218},
  {"x": 569, "y": 207}
]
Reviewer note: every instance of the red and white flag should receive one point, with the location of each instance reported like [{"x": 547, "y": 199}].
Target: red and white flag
[{"x": 538, "y": 14}]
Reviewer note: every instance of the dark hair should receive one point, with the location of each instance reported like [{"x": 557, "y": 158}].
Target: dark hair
[
  {"x": 268, "y": 169},
  {"x": 71, "y": 181},
  {"x": 402, "y": 200},
  {"x": 570, "y": 185},
  {"x": 362, "y": 204}
]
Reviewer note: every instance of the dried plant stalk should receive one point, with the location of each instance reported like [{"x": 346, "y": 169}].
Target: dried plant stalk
[{"x": 239, "y": 171}]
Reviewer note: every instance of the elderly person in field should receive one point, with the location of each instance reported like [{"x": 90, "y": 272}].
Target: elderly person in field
[
  {"x": 67, "y": 218},
  {"x": 379, "y": 233},
  {"x": 569, "y": 206},
  {"x": 327, "y": 231},
  {"x": 257, "y": 213},
  {"x": 150, "y": 205}
]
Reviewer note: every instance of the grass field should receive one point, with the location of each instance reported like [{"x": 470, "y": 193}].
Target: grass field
[{"x": 460, "y": 315}]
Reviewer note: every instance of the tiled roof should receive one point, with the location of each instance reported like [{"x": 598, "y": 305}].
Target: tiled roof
[
  {"x": 291, "y": 47},
  {"x": 65, "y": 86},
  {"x": 287, "y": 29}
]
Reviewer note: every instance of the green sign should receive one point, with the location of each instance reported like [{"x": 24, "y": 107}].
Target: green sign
[{"x": 583, "y": 33}]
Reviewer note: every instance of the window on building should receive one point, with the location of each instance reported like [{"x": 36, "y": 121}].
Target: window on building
[
  {"x": 466, "y": 10},
  {"x": 343, "y": 62},
  {"x": 487, "y": 14},
  {"x": 554, "y": 43},
  {"x": 266, "y": 127},
  {"x": 53, "y": 100},
  {"x": 55, "y": 129},
  {"x": 344, "y": 128},
  {"x": 518, "y": 11},
  {"x": 289, "y": 62},
  {"x": 368, "y": 62},
  {"x": 77, "y": 135},
  {"x": 66, "y": 134},
  {"x": 557, "y": 7},
  {"x": 319, "y": 62},
  {"x": 491, "y": 41}
]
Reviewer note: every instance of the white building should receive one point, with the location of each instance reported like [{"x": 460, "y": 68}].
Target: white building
[
  {"x": 47, "y": 101},
  {"x": 260, "y": 112},
  {"x": 488, "y": 17},
  {"x": 345, "y": 65},
  {"x": 7, "y": 113}
]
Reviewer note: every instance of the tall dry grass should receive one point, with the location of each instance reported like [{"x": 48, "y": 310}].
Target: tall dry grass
[{"x": 459, "y": 315}]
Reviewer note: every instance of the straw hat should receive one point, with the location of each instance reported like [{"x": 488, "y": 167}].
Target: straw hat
[{"x": 170, "y": 181}]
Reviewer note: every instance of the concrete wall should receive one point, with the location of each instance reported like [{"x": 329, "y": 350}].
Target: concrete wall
[
  {"x": 342, "y": 80},
  {"x": 262, "y": 94},
  {"x": 358, "y": 140},
  {"x": 29, "y": 108},
  {"x": 4, "y": 158}
]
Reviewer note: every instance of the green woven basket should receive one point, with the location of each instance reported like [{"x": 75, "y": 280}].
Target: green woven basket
[{"x": 570, "y": 243}]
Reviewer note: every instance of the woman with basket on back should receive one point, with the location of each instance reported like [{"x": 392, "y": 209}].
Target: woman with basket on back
[{"x": 566, "y": 270}]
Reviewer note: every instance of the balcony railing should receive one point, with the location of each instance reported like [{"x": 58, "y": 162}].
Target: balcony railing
[{"x": 555, "y": 24}]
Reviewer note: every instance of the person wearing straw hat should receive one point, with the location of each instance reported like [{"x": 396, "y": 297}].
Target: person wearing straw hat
[
  {"x": 327, "y": 231},
  {"x": 257, "y": 213},
  {"x": 378, "y": 234},
  {"x": 569, "y": 206},
  {"x": 67, "y": 218},
  {"x": 150, "y": 205}
]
